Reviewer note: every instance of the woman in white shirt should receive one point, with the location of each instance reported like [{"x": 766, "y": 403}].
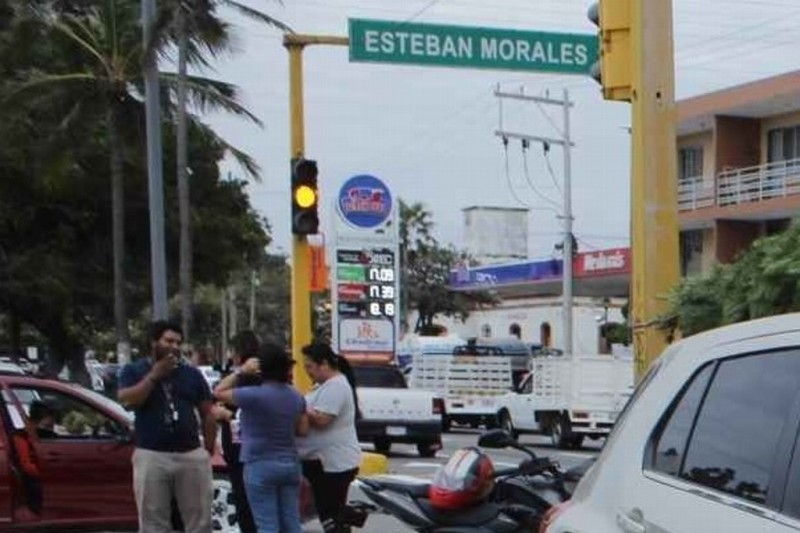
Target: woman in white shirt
[{"x": 331, "y": 453}]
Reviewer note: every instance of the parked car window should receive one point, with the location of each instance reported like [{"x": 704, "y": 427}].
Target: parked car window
[
  {"x": 527, "y": 385},
  {"x": 669, "y": 441},
  {"x": 747, "y": 408},
  {"x": 74, "y": 418}
]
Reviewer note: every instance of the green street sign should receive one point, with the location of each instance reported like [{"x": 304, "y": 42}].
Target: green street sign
[
  {"x": 350, "y": 273},
  {"x": 381, "y": 41}
]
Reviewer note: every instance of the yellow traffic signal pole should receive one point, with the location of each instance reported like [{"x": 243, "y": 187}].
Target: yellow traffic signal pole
[
  {"x": 301, "y": 272},
  {"x": 654, "y": 206}
]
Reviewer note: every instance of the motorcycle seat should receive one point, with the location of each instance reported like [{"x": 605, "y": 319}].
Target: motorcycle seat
[
  {"x": 470, "y": 516},
  {"x": 414, "y": 489}
]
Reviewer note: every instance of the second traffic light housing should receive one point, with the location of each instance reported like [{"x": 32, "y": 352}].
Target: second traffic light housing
[
  {"x": 614, "y": 69},
  {"x": 305, "y": 197}
]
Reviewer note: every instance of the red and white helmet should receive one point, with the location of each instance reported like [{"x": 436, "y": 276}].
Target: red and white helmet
[{"x": 465, "y": 480}]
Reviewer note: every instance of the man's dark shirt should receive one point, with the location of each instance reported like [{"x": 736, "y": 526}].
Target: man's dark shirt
[{"x": 159, "y": 426}]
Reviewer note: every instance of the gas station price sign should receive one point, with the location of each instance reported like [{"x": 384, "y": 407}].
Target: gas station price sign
[{"x": 367, "y": 282}]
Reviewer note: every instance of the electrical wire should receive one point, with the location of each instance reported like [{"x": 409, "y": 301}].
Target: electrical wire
[
  {"x": 508, "y": 175},
  {"x": 423, "y": 10},
  {"x": 530, "y": 181},
  {"x": 546, "y": 149}
]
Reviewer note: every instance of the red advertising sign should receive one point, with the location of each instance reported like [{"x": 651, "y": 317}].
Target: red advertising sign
[{"x": 603, "y": 263}]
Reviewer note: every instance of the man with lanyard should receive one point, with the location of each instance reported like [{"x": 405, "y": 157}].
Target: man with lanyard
[{"x": 169, "y": 462}]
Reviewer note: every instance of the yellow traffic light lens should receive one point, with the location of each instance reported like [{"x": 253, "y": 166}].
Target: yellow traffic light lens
[{"x": 305, "y": 196}]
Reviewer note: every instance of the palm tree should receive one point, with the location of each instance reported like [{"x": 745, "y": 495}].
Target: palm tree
[
  {"x": 197, "y": 27},
  {"x": 105, "y": 48}
]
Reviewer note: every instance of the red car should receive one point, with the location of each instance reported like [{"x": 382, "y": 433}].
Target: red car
[{"x": 85, "y": 471}]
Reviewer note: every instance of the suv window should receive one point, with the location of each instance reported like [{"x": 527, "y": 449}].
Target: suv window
[{"x": 734, "y": 439}]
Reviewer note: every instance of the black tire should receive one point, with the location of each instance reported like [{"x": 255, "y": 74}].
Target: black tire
[
  {"x": 505, "y": 423},
  {"x": 427, "y": 449},
  {"x": 383, "y": 446},
  {"x": 561, "y": 432}
]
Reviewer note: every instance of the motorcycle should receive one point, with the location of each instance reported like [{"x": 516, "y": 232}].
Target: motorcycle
[{"x": 520, "y": 498}]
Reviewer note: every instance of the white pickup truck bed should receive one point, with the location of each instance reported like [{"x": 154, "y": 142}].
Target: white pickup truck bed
[
  {"x": 469, "y": 385},
  {"x": 569, "y": 397}
]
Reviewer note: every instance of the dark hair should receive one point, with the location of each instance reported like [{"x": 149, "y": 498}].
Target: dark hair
[
  {"x": 320, "y": 352},
  {"x": 39, "y": 410},
  {"x": 275, "y": 363},
  {"x": 246, "y": 343},
  {"x": 158, "y": 327}
]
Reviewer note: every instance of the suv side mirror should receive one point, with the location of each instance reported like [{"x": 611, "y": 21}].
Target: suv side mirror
[{"x": 496, "y": 439}]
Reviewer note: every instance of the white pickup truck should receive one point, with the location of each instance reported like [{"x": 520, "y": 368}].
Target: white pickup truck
[
  {"x": 391, "y": 412},
  {"x": 469, "y": 384},
  {"x": 569, "y": 398}
]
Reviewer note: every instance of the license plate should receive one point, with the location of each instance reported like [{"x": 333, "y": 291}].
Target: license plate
[{"x": 395, "y": 431}]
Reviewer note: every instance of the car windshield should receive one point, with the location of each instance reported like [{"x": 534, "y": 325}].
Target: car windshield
[{"x": 379, "y": 377}]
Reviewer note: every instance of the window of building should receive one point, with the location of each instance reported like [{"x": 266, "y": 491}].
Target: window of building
[
  {"x": 690, "y": 163},
  {"x": 725, "y": 432},
  {"x": 691, "y": 248},
  {"x": 486, "y": 331},
  {"x": 783, "y": 144},
  {"x": 515, "y": 330}
]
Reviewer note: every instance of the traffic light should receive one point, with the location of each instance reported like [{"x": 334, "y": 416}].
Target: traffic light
[
  {"x": 305, "y": 197},
  {"x": 614, "y": 69}
]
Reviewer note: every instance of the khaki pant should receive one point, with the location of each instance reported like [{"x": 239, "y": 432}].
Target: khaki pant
[{"x": 158, "y": 476}]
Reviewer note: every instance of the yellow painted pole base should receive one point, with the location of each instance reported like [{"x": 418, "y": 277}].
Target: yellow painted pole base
[{"x": 373, "y": 464}]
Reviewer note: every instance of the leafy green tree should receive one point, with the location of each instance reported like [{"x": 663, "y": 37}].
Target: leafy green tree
[
  {"x": 98, "y": 80},
  {"x": 425, "y": 272},
  {"x": 764, "y": 281}
]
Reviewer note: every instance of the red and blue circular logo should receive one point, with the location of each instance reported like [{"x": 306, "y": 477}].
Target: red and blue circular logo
[{"x": 365, "y": 201}]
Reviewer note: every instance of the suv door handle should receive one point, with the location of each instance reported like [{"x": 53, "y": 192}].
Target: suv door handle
[{"x": 631, "y": 522}]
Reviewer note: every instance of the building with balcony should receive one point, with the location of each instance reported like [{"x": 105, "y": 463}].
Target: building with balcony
[{"x": 738, "y": 168}]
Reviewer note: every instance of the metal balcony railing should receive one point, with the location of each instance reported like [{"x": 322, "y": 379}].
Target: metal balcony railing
[{"x": 742, "y": 185}]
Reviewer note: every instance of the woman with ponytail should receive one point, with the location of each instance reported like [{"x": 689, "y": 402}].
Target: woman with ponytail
[{"x": 331, "y": 453}]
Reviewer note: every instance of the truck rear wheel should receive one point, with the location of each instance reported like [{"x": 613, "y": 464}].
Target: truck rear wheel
[
  {"x": 383, "y": 446},
  {"x": 427, "y": 449},
  {"x": 561, "y": 432}
]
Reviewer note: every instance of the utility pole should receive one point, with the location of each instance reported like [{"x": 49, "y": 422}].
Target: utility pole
[
  {"x": 158, "y": 261},
  {"x": 565, "y": 141},
  {"x": 253, "y": 285}
]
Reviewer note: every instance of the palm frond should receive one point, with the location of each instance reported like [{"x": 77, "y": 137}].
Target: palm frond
[
  {"x": 77, "y": 39},
  {"x": 206, "y": 95},
  {"x": 44, "y": 81},
  {"x": 245, "y": 161},
  {"x": 257, "y": 15}
]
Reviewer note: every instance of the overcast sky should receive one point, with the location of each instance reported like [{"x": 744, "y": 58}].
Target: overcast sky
[{"x": 429, "y": 132}]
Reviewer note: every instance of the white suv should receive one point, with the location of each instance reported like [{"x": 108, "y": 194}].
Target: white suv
[{"x": 709, "y": 442}]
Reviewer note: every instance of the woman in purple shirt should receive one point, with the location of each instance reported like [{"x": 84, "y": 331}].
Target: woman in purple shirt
[{"x": 272, "y": 415}]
